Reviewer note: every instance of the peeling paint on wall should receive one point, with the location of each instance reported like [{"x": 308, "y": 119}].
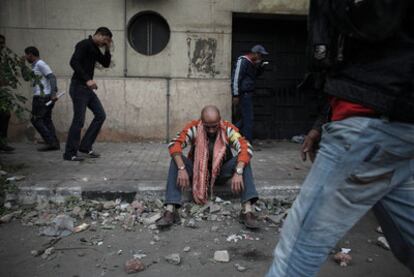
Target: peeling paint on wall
[{"x": 202, "y": 57}]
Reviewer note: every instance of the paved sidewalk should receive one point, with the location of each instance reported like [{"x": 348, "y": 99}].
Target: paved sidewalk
[{"x": 130, "y": 168}]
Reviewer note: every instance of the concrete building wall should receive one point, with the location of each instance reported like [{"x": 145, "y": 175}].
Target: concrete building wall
[{"x": 135, "y": 94}]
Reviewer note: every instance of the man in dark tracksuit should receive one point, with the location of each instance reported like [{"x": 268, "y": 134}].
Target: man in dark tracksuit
[
  {"x": 365, "y": 159},
  {"x": 247, "y": 69},
  {"x": 82, "y": 87}
]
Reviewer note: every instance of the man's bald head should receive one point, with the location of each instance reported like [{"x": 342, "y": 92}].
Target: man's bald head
[{"x": 210, "y": 114}]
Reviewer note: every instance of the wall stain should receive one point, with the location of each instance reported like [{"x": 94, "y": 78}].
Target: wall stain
[{"x": 202, "y": 56}]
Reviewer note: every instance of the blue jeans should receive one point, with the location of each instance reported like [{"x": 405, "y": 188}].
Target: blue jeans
[
  {"x": 173, "y": 193},
  {"x": 362, "y": 163},
  {"x": 82, "y": 98},
  {"x": 246, "y": 109}
]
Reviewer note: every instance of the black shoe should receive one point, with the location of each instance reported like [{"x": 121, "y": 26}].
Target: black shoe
[
  {"x": 73, "y": 158},
  {"x": 168, "y": 219},
  {"x": 249, "y": 220},
  {"x": 49, "y": 147},
  {"x": 91, "y": 153},
  {"x": 6, "y": 148}
]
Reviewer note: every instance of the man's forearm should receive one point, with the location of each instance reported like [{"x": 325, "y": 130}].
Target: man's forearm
[
  {"x": 178, "y": 159},
  {"x": 53, "y": 84}
]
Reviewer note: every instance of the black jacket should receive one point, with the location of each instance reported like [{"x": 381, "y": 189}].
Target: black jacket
[
  {"x": 376, "y": 74},
  {"x": 244, "y": 76},
  {"x": 84, "y": 58}
]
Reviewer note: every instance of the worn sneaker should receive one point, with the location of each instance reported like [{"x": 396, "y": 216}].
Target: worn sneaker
[
  {"x": 74, "y": 158},
  {"x": 249, "y": 220},
  {"x": 91, "y": 153},
  {"x": 168, "y": 219}
]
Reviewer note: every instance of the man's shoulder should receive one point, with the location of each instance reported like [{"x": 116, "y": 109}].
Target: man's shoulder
[
  {"x": 83, "y": 43},
  {"x": 230, "y": 125}
]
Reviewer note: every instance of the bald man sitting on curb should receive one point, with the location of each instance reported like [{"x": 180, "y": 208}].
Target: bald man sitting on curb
[{"x": 210, "y": 162}]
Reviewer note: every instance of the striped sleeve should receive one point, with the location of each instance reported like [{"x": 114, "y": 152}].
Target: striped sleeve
[
  {"x": 236, "y": 77},
  {"x": 183, "y": 138},
  {"x": 239, "y": 143}
]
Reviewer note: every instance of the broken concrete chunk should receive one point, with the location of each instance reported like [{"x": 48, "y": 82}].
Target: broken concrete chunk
[
  {"x": 191, "y": 224},
  {"x": 133, "y": 266},
  {"x": 174, "y": 258},
  {"x": 8, "y": 217},
  {"x": 152, "y": 219},
  {"x": 222, "y": 256},
  {"x": 48, "y": 252},
  {"x": 108, "y": 205},
  {"x": 240, "y": 268},
  {"x": 61, "y": 226},
  {"x": 81, "y": 228},
  {"x": 187, "y": 249},
  {"x": 379, "y": 230}
]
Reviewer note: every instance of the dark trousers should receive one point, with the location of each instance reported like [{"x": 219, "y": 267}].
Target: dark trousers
[
  {"x": 246, "y": 110},
  {"x": 82, "y": 98},
  {"x": 173, "y": 193},
  {"x": 42, "y": 119},
  {"x": 4, "y": 126}
]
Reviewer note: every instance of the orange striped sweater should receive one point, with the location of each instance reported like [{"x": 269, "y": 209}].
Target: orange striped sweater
[{"x": 188, "y": 135}]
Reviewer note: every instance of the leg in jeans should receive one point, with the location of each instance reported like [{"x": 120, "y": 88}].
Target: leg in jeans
[
  {"x": 361, "y": 161},
  {"x": 395, "y": 213},
  {"x": 246, "y": 101},
  {"x": 99, "y": 117},
  {"x": 249, "y": 192},
  {"x": 173, "y": 193},
  {"x": 40, "y": 112},
  {"x": 80, "y": 99}
]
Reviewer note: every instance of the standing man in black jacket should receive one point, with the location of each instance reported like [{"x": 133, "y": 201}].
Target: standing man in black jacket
[
  {"x": 248, "y": 68},
  {"x": 82, "y": 87}
]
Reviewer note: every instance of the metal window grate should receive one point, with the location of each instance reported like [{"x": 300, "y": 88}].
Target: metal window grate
[{"x": 148, "y": 33}]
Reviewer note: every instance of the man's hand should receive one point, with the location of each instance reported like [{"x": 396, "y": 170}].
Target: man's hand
[
  {"x": 310, "y": 145},
  {"x": 54, "y": 99},
  {"x": 183, "y": 180},
  {"x": 236, "y": 101},
  {"x": 237, "y": 185},
  {"x": 91, "y": 84},
  {"x": 107, "y": 43}
]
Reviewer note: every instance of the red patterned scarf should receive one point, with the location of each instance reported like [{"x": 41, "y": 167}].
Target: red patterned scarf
[{"x": 201, "y": 156}]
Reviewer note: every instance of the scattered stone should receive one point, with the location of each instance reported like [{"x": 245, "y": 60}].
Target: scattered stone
[
  {"x": 379, "y": 230},
  {"x": 222, "y": 256},
  {"x": 81, "y": 227},
  {"x": 191, "y": 224},
  {"x": 174, "y": 258},
  {"x": 214, "y": 208},
  {"x": 382, "y": 241},
  {"x": 152, "y": 219},
  {"x": 343, "y": 259},
  {"x": 214, "y": 228},
  {"x": 8, "y": 217},
  {"x": 156, "y": 238},
  {"x": 16, "y": 178},
  {"x": 152, "y": 227},
  {"x": 48, "y": 252},
  {"x": 139, "y": 256},
  {"x": 158, "y": 203},
  {"x": 133, "y": 266},
  {"x": 276, "y": 219},
  {"x": 3, "y": 173},
  {"x": 240, "y": 268},
  {"x": 129, "y": 222},
  {"x": 216, "y": 240},
  {"x": 234, "y": 238},
  {"x": 108, "y": 205},
  {"x": 99, "y": 243},
  {"x": 138, "y": 207},
  {"x": 213, "y": 217},
  {"x": 370, "y": 260},
  {"x": 187, "y": 249},
  {"x": 119, "y": 252},
  {"x": 218, "y": 200},
  {"x": 108, "y": 227},
  {"x": 61, "y": 226},
  {"x": 34, "y": 253},
  {"x": 81, "y": 254}
]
